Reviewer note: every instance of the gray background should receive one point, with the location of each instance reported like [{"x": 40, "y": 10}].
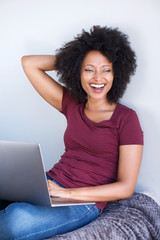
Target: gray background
[{"x": 40, "y": 27}]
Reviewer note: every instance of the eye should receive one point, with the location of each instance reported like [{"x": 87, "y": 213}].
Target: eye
[
  {"x": 107, "y": 70},
  {"x": 88, "y": 70}
]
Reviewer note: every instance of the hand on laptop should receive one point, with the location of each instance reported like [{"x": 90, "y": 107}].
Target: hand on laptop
[{"x": 56, "y": 191}]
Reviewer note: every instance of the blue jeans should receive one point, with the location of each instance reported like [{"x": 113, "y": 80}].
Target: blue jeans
[{"x": 27, "y": 221}]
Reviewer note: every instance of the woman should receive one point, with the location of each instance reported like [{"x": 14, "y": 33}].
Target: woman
[{"x": 103, "y": 139}]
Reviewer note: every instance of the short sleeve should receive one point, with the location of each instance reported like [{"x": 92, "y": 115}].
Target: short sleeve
[
  {"x": 68, "y": 102},
  {"x": 130, "y": 131}
]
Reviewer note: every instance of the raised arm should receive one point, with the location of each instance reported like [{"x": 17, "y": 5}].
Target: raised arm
[{"x": 35, "y": 67}]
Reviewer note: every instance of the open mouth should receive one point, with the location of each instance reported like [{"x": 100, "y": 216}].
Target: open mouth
[{"x": 97, "y": 86}]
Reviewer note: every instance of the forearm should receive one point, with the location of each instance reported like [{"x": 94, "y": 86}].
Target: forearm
[
  {"x": 41, "y": 62},
  {"x": 35, "y": 67},
  {"x": 109, "y": 192}
]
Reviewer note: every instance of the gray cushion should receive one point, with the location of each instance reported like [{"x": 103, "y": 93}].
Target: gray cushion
[{"x": 134, "y": 218}]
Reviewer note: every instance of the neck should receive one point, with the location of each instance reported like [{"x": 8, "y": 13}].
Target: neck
[{"x": 98, "y": 104}]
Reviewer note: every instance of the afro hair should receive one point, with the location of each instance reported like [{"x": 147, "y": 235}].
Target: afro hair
[{"x": 113, "y": 44}]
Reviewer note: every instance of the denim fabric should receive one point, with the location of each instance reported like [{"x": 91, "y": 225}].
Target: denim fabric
[{"x": 27, "y": 221}]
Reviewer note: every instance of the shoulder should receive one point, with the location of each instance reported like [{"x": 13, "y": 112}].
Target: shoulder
[
  {"x": 68, "y": 101},
  {"x": 129, "y": 127},
  {"x": 125, "y": 113},
  {"x": 124, "y": 110}
]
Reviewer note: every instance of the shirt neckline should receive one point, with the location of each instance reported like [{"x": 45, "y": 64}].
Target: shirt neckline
[{"x": 103, "y": 121}]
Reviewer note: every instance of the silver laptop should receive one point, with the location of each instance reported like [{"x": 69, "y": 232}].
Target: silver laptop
[{"x": 23, "y": 178}]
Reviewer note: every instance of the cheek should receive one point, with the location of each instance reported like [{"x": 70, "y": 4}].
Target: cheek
[
  {"x": 83, "y": 80},
  {"x": 111, "y": 82},
  {"x": 111, "y": 78},
  {"x": 83, "y": 85}
]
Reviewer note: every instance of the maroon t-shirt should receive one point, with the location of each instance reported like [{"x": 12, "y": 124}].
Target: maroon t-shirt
[{"x": 92, "y": 149}]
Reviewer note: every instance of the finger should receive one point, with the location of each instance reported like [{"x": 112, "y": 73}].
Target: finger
[{"x": 49, "y": 182}]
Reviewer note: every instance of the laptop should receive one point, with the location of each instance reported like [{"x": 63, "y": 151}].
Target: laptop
[{"x": 23, "y": 178}]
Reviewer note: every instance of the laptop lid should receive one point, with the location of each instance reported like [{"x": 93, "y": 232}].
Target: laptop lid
[
  {"x": 22, "y": 175},
  {"x": 23, "y": 178}
]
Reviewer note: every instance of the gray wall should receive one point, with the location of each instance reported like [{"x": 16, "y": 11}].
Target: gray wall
[{"x": 40, "y": 27}]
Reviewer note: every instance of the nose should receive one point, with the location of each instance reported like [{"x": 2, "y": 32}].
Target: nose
[{"x": 97, "y": 76}]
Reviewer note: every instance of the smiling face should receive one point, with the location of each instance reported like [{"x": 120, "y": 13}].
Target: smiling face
[{"x": 96, "y": 75}]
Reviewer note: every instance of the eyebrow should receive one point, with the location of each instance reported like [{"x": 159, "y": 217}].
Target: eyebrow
[{"x": 93, "y": 65}]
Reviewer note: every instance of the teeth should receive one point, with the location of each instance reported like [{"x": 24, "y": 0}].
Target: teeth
[{"x": 97, "y": 85}]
